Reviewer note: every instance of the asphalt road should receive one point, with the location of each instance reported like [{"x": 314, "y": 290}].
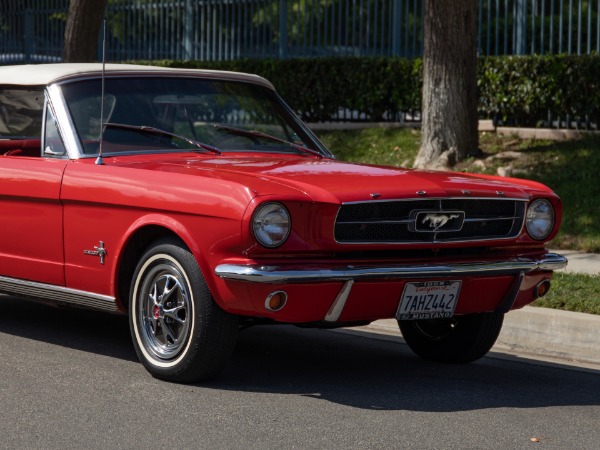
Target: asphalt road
[{"x": 70, "y": 379}]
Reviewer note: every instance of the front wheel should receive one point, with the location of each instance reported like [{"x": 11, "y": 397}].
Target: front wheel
[
  {"x": 179, "y": 333},
  {"x": 461, "y": 339}
]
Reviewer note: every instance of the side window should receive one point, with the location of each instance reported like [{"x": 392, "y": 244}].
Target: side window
[
  {"x": 21, "y": 120},
  {"x": 21, "y": 112},
  {"x": 53, "y": 144}
]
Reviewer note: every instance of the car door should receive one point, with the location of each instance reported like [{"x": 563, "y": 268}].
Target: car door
[{"x": 31, "y": 227}]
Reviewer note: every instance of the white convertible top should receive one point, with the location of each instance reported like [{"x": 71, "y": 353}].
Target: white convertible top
[{"x": 44, "y": 74}]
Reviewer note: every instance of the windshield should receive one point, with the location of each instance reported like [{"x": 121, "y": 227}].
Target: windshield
[{"x": 155, "y": 113}]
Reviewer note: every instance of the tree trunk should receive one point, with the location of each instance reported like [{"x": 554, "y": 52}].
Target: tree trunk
[
  {"x": 82, "y": 30},
  {"x": 449, "y": 127}
]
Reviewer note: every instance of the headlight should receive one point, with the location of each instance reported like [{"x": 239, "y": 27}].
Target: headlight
[
  {"x": 540, "y": 219},
  {"x": 271, "y": 224}
]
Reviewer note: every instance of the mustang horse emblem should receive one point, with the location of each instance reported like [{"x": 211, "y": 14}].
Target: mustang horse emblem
[{"x": 437, "y": 221}]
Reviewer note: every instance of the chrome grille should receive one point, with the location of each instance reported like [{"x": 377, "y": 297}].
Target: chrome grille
[{"x": 395, "y": 221}]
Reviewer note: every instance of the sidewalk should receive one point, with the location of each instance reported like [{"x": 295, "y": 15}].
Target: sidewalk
[
  {"x": 581, "y": 262},
  {"x": 540, "y": 332}
]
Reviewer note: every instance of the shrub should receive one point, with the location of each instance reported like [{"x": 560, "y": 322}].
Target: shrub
[{"x": 520, "y": 90}]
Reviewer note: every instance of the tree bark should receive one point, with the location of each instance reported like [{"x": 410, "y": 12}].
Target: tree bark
[
  {"x": 82, "y": 30},
  {"x": 449, "y": 109}
]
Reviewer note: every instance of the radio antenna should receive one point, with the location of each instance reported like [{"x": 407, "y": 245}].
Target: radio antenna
[{"x": 99, "y": 159}]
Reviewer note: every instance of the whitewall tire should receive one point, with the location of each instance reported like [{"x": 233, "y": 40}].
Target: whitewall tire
[{"x": 179, "y": 333}]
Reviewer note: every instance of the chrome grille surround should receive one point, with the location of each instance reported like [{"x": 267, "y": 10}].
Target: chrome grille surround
[{"x": 394, "y": 221}]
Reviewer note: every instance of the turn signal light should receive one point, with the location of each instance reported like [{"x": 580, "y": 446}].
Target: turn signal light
[{"x": 276, "y": 300}]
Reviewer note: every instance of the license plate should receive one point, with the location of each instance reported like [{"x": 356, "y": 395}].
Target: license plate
[{"x": 428, "y": 300}]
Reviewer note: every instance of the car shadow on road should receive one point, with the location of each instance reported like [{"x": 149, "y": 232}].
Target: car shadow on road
[
  {"x": 342, "y": 368},
  {"x": 377, "y": 374},
  {"x": 89, "y": 331}
]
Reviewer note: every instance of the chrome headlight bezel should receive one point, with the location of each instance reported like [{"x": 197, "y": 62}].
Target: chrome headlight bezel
[
  {"x": 271, "y": 224},
  {"x": 540, "y": 219}
]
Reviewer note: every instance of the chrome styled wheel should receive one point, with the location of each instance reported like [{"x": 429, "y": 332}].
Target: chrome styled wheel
[
  {"x": 165, "y": 316},
  {"x": 179, "y": 332}
]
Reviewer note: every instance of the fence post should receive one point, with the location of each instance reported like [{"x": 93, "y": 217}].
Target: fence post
[
  {"x": 396, "y": 28},
  {"x": 28, "y": 34},
  {"x": 188, "y": 30},
  {"x": 283, "y": 29},
  {"x": 521, "y": 24}
]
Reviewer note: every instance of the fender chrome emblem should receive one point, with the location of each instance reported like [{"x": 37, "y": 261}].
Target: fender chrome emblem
[
  {"x": 446, "y": 221},
  {"x": 99, "y": 250}
]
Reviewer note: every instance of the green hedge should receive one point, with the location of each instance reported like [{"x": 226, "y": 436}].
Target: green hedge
[
  {"x": 520, "y": 90},
  {"x": 523, "y": 90}
]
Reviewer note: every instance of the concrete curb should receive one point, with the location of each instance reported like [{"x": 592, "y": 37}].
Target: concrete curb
[
  {"x": 552, "y": 333},
  {"x": 545, "y": 133},
  {"x": 539, "y": 332},
  {"x": 551, "y": 134}
]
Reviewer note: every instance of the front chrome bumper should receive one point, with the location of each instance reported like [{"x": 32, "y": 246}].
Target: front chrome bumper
[{"x": 311, "y": 274}]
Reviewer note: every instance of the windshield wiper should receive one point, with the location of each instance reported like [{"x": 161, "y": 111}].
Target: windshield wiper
[
  {"x": 158, "y": 132},
  {"x": 260, "y": 134}
]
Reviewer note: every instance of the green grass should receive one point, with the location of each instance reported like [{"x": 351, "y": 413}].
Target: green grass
[
  {"x": 573, "y": 292},
  {"x": 384, "y": 146},
  {"x": 571, "y": 169}
]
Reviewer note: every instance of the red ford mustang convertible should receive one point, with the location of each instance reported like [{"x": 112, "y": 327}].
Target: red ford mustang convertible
[{"x": 196, "y": 202}]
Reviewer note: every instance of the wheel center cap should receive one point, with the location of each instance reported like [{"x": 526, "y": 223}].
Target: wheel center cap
[{"x": 156, "y": 311}]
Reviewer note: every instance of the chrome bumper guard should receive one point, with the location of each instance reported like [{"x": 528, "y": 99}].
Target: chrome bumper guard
[{"x": 312, "y": 274}]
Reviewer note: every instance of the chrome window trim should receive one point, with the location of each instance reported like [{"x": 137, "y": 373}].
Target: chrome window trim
[
  {"x": 66, "y": 127},
  {"x": 74, "y": 143},
  {"x": 49, "y": 109},
  {"x": 151, "y": 72}
]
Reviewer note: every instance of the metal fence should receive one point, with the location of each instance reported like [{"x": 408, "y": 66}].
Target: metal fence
[{"x": 32, "y": 30}]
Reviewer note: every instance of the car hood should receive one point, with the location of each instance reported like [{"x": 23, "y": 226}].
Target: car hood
[{"x": 328, "y": 180}]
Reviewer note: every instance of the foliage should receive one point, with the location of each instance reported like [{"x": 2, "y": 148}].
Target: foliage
[
  {"x": 374, "y": 88},
  {"x": 520, "y": 90},
  {"x": 523, "y": 90}
]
